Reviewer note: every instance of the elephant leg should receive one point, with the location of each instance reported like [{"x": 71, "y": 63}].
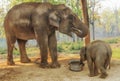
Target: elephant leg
[
  {"x": 95, "y": 69},
  {"x": 103, "y": 72},
  {"x": 10, "y": 45},
  {"x": 42, "y": 40},
  {"x": 100, "y": 64},
  {"x": 23, "y": 56},
  {"x": 44, "y": 55},
  {"x": 53, "y": 51},
  {"x": 90, "y": 66},
  {"x": 43, "y": 44}
]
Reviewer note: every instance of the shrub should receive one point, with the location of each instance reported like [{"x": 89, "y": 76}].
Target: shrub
[
  {"x": 3, "y": 51},
  {"x": 112, "y": 41},
  {"x": 69, "y": 46},
  {"x": 16, "y": 52}
]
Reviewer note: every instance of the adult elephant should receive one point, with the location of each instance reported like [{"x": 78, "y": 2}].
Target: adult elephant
[{"x": 39, "y": 21}]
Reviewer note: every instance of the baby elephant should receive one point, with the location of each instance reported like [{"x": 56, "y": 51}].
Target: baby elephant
[{"x": 98, "y": 55}]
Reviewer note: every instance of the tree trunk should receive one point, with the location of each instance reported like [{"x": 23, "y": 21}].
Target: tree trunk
[
  {"x": 86, "y": 19},
  {"x": 93, "y": 28}
]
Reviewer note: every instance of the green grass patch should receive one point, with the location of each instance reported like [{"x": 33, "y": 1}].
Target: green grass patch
[
  {"x": 3, "y": 51},
  {"x": 16, "y": 52},
  {"x": 31, "y": 51},
  {"x": 116, "y": 53},
  {"x": 69, "y": 47},
  {"x": 112, "y": 40}
]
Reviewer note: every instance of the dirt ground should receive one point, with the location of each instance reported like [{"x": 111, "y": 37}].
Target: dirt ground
[{"x": 32, "y": 71}]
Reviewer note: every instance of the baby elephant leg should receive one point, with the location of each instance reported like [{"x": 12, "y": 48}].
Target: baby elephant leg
[
  {"x": 91, "y": 69},
  {"x": 103, "y": 72},
  {"x": 95, "y": 69},
  {"x": 100, "y": 65}
]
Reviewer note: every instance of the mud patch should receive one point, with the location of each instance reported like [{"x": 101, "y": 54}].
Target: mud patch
[{"x": 7, "y": 73}]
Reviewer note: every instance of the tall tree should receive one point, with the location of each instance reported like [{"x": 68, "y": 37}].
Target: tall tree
[
  {"x": 86, "y": 19},
  {"x": 93, "y": 7}
]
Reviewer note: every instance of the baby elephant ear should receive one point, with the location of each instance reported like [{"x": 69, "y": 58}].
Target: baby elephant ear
[{"x": 54, "y": 20}]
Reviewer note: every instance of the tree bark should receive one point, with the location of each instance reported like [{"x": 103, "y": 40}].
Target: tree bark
[{"x": 86, "y": 19}]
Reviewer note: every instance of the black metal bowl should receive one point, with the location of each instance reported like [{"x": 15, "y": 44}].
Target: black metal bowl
[{"x": 76, "y": 65}]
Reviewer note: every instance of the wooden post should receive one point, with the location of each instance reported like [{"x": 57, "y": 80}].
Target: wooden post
[{"x": 85, "y": 19}]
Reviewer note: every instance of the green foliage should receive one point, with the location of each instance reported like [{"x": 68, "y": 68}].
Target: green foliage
[
  {"x": 32, "y": 50},
  {"x": 57, "y": 1},
  {"x": 69, "y": 46},
  {"x": 2, "y": 14},
  {"x": 16, "y": 52},
  {"x": 113, "y": 41},
  {"x": 14, "y": 2},
  {"x": 3, "y": 51}
]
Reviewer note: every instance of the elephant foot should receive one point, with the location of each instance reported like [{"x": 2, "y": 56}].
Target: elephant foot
[
  {"x": 96, "y": 74},
  {"x": 55, "y": 65},
  {"x": 44, "y": 65},
  {"x": 91, "y": 75},
  {"x": 10, "y": 63},
  {"x": 103, "y": 75},
  {"x": 25, "y": 60}
]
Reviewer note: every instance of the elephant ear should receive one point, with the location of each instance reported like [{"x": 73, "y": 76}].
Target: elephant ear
[{"x": 54, "y": 20}]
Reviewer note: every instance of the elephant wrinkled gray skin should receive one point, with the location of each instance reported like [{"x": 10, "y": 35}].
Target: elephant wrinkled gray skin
[
  {"x": 98, "y": 55},
  {"x": 39, "y": 21}
]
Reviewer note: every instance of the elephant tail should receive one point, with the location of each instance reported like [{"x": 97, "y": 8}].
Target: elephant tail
[
  {"x": 109, "y": 54},
  {"x": 107, "y": 62}
]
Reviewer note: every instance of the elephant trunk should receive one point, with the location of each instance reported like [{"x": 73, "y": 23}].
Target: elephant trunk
[
  {"x": 84, "y": 30},
  {"x": 81, "y": 31}
]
